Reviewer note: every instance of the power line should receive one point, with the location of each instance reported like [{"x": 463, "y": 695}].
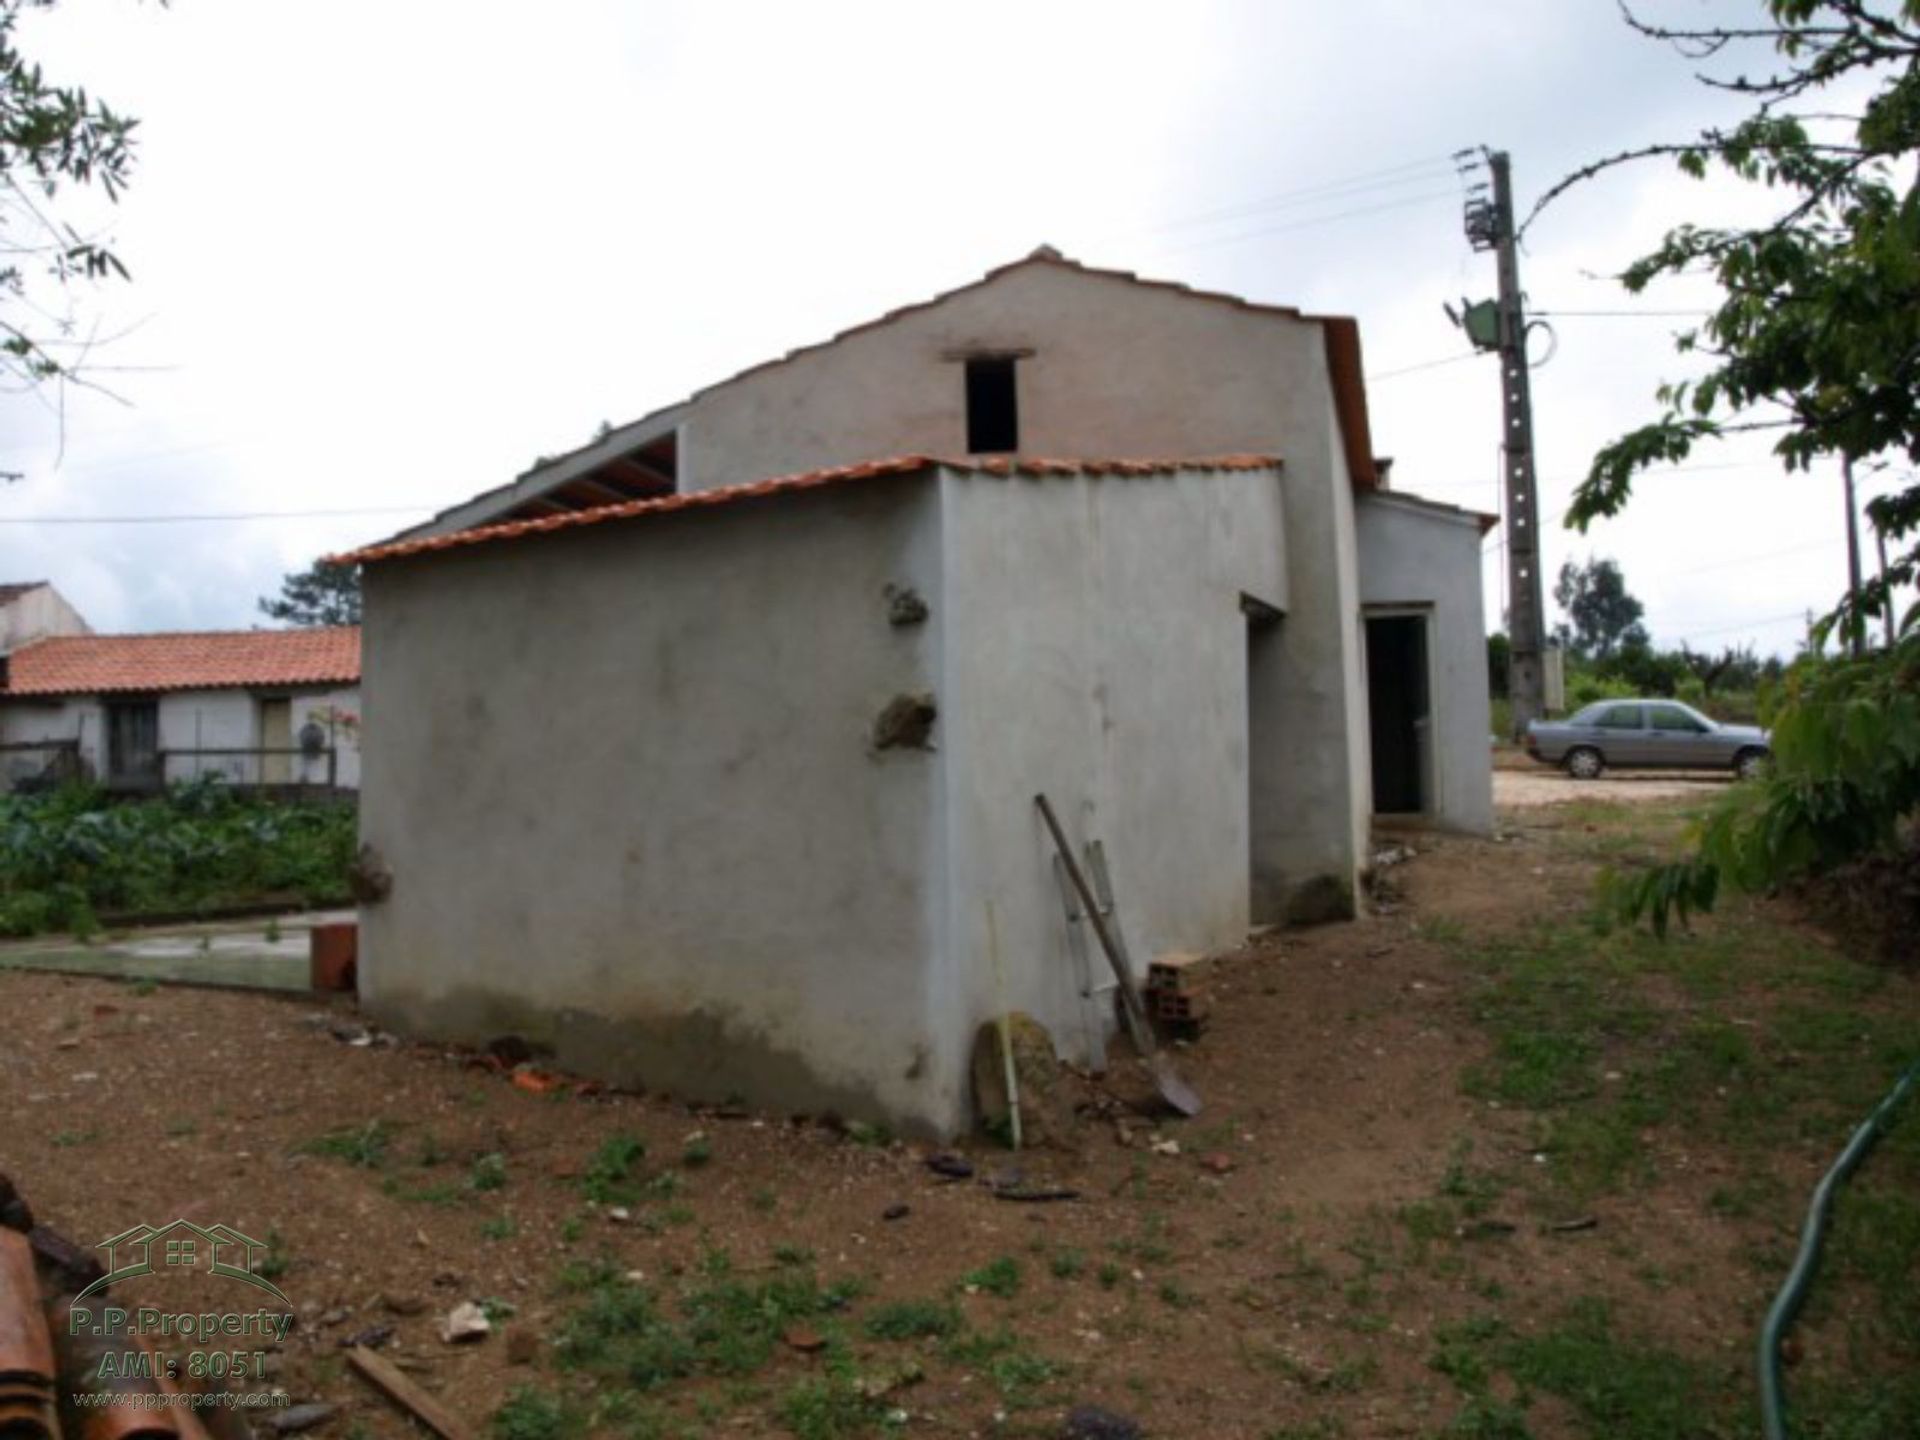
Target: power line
[
  {"x": 1331, "y": 192},
  {"x": 212, "y": 518},
  {"x": 1691, "y": 632},
  {"x": 1411, "y": 172},
  {"x": 1424, "y": 365},
  {"x": 1427, "y": 199},
  {"x": 1621, "y": 314}
]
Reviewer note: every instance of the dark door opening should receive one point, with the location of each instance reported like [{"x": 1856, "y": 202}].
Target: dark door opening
[
  {"x": 133, "y": 743},
  {"x": 1266, "y": 815},
  {"x": 1398, "y": 711}
]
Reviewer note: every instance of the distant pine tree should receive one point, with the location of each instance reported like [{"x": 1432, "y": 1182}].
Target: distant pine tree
[{"x": 324, "y": 595}]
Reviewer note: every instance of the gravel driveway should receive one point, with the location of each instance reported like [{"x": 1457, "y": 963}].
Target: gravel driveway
[{"x": 1524, "y": 789}]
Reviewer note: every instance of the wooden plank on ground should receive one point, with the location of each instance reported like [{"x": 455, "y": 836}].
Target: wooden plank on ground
[{"x": 407, "y": 1395}]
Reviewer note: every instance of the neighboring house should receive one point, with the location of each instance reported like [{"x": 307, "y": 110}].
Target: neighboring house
[
  {"x": 258, "y": 707},
  {"x": 33, "y": 610},
  {"x": 748, "y": 702}
]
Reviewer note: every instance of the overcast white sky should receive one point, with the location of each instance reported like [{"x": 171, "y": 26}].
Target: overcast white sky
[{"x": 384, "y": 255}]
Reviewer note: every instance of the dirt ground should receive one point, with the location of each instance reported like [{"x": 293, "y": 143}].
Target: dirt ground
[{"x": 1288, "y": 1264}]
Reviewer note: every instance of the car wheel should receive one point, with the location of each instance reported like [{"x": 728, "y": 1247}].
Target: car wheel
[
  {"x": 1750, "y": 764},
  {"x": 1584, "y": 763}
]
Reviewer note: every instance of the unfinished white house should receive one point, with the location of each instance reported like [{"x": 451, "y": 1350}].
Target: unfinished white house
[
  {"x": 748, "y": 702},
  {"x": 273, "y": 709}
]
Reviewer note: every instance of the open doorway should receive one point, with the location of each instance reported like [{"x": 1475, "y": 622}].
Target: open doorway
[
  {"x": 1266, "y": 819},
  {"x": 1399, "y": 713}
]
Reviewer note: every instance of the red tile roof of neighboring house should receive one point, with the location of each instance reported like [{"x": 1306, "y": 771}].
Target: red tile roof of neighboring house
[
  {"x": 190, "y": 660},
  {"x": 787, "y": 484}
]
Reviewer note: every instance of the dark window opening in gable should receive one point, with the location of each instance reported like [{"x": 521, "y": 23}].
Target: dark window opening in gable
[{"x": 993, "y": 412}]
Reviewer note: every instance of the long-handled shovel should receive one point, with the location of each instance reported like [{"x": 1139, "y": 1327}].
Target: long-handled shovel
[{"x": 1175, "y": 1091}]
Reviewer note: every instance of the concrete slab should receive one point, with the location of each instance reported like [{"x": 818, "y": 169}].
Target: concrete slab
[{"x": 243, "y": 954}]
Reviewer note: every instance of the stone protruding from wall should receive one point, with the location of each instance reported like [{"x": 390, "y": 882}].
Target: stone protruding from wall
[{"x": 906, "y": 723}]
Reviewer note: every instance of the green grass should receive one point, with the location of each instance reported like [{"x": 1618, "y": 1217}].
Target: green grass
[
  {"x": 363, "y": 1145},
  {"x": 1016, "y": 1370},
  {"x": 1066, "y": 1264},
  {"x": 999, "y": 1277},
  {"x": 1620, "y": 1386},
  {"x": 534, "y": 1414},
  {"x": 716, "y": 1324},
  {"x": 912, "y": 1320},
  {"x": 608, "y": 1178}
]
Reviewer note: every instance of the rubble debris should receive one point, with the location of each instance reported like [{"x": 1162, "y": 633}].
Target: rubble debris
[
  {"x": 523, "y": 1346},
  {"x": 1178, "y": 994},
  {"x": 950, "y": 1165},
  {"x": 1090, "y": 1422},
  {"x": 465, "y": 1323},
  {"x": 298, "y": 1418},
  {"x": 510, "y": 1050},
  {"x": 1568, "y": 1227}
]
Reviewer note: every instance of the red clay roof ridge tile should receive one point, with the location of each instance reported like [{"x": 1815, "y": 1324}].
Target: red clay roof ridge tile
[{"x": 1036, "y": 466}]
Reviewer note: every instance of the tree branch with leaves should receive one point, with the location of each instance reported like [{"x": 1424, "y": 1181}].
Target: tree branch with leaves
[
  {"x": 1816, "y": 338},
  {"x": 53, "y": 138}
]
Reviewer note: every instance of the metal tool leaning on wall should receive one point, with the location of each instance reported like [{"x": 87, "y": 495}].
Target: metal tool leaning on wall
[{"x": 1174, "y": 1090}]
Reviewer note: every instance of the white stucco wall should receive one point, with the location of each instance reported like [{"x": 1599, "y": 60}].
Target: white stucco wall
[
  {"x": 189, "y": 720},
  {"x": 1118, "y": 370},
  {"x": 1097, "y": 652},
  {"x": 35, "y": 615},
  {"x": 623, "y": 781},
  {"x": 23, "y": 721},
  {"x": 1424, "y": 559}
]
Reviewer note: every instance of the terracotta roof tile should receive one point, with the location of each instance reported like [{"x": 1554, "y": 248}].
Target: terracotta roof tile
[
  {"x": 786, "y": 484},
  {"x": 192, "y": 660}
]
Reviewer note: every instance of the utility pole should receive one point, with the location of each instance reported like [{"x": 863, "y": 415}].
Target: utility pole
[
  {"x": 1857, "y": 623},
  {"x": 1489, "y": 225}
]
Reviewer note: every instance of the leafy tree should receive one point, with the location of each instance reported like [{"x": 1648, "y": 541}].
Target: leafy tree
[
  {"x": 1499, "y": 664},
  {"x": 1604, "y": 616},
  {"x": 1816, "y": 338},
  {"x": 51, "y": 137},
  {"x": 322, "y": 595}
]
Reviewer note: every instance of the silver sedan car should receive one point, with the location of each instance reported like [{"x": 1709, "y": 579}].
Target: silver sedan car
[{"x": 1646, "y": 734}]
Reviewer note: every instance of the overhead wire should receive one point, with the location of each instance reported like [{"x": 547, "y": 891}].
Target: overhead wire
[{"x": 212, "y": 518}]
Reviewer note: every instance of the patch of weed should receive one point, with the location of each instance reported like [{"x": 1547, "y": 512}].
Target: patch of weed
[
  {"x": 999, "y": 1277},
  {"x": 489, "y": 1172},
  {"x": 912, "y": 1320},
  {"x": 605, "y": 1181},
  {"x": 534, "y": 1414},
  {"x": 362, "y": 1145}
]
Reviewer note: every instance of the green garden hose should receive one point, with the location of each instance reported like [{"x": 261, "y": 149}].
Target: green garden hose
[{"x": 1786, "y": 1305}]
